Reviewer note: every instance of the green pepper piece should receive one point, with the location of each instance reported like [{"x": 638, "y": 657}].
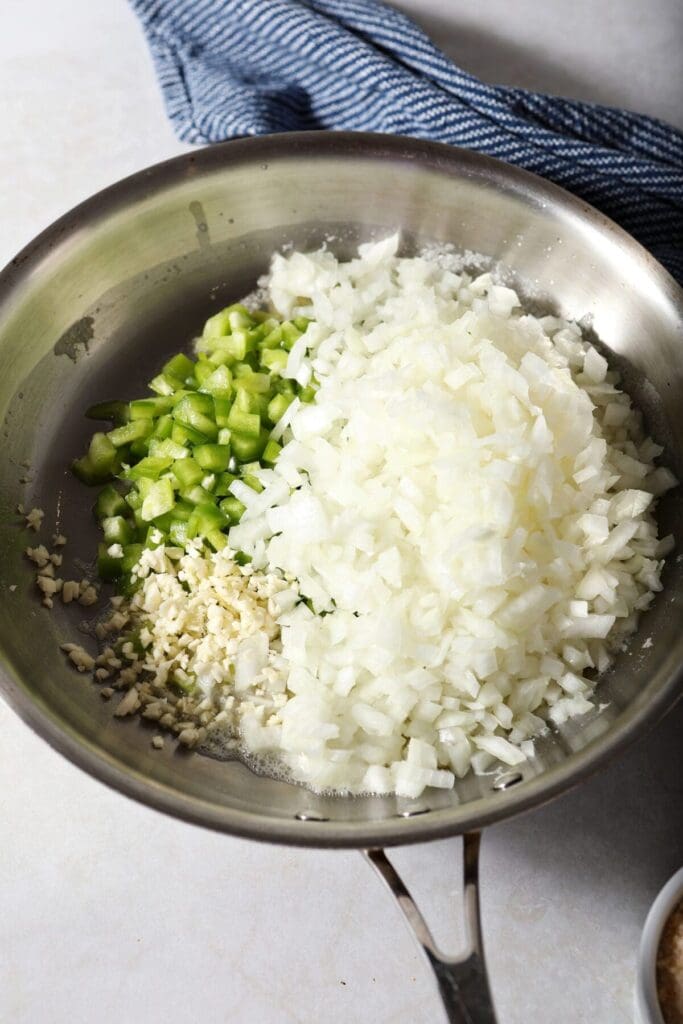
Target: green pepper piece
[
  {"x": 136, "y": 430},
  {"x": 88, "y": 473},
  {"x": 223, "y": 482},
  {"x": 218, "y": 382},
  {"x": 149, "y": 408},
  {"x": 197, "y": 495},
  {"x": 131, "y": 556},
  {"x": 117, "y": 530},
  {"x": 177, "y": 533},
  {"x": 110, "y": 503},
  {"x": 115, "y": 411},
  {"x": 108, "y": 568},
  {"x": 212, "y": 457},
  {"x": 274, "y": 360},
  {"x": 271, "y": 452},
  {"x": 246, "y": 449},
  {"x": 158, "y": 500},
  {"x": 290, "y": 335},
  {"x": 233, "y": 509},
  {"x": 179, "y": 366},
  {"x": 278, "y": 406},
  {"x": 163, "y": 427},
  {"x": 197, "y": 412},
  {"x": 244, "y": 423},
  {"x": 217, "y": 540},
  {"x": 222, "y": 407},
  {"x": 102, "y": 453},
  {"x": 187, "y": 472},
  {"x": 186, "y": 435},
  {"x": 152, "y": 467}
]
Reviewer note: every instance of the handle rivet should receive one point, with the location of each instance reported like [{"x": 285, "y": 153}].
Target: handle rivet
[{"x": 506, "y": 781}]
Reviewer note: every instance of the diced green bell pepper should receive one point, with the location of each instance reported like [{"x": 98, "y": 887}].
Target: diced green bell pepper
[
  {"x": 177, "y": 533},
  {"x": 131, "y": 556},
  {"x": 212, "y": 457},
  {"x": 203, "y": 371},
  {"x": 246, "y": 449},
  {"x": 278, "y": 406},
  {"x": 187, "y": 472},
  {"x": 197, "y": 411},
  {"x": 152, "y": 467},
  {"x": 271, "y": 452},
  {"x": 159, "y": 499},
  {"x": 233, "y": 509},
  {"x": 245, "y": 423},
  {"x": 179, "y": 366},
  {"x": 163, "y": 427},
  {"x": 217, "y": 540},
  {"x": 117, "y": 412},
  {"x": 168, "y": 448},
  {"x": 149, "y": 408},
  {"x": 218, "y": 382},
  {"x": 110, "y": 503},
  {"x": 118, "y": 530},
  {"x": 108, "y": 568},
  {"x": 134, "y": 431},
  {"x": 290, "y": 335},
  {"x": 217, "y": 326},
  {"x": 222, "y": 407},
  {"x": 274, "y": 359},
  {"x": 196, "y": 495},
  {"x": 186, "y": 435}
]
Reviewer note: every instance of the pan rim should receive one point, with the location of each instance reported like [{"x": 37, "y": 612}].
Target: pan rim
[{"x": 344, "y": 834}]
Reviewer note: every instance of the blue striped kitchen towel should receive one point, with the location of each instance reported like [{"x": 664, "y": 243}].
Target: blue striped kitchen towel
[{"x": 231, "y": 68}]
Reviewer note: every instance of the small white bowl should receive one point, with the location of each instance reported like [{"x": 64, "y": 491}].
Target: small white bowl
[{"x": 647, "y": 1001}]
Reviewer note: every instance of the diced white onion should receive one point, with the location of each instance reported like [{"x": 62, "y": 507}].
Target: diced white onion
[{"x": 468, "y": 500}]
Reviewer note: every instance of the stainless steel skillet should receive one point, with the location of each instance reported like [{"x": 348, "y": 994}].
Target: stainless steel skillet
[{"x": 90, "y": 307}]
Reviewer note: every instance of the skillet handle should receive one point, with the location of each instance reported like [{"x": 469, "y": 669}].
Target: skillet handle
[{"x": 462, "y": 980}]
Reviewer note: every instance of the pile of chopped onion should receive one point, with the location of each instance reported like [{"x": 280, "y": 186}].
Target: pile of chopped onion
[{"x": 467, "y": 508}]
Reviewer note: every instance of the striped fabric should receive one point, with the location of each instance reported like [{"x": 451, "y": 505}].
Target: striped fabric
[{"x": 231, "y": 68}]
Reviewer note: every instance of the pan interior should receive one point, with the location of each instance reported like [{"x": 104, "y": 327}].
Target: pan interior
[{"x": 105, "y": 295}]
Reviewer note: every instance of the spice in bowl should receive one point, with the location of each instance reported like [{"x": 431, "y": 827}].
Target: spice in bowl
[{"x": 670, "y": 968}]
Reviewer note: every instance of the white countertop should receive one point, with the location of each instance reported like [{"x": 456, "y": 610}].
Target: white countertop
[{"x": 111, "y": 913}]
